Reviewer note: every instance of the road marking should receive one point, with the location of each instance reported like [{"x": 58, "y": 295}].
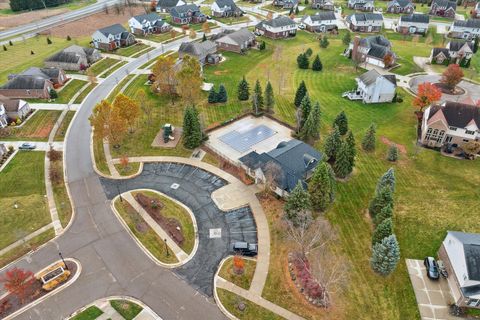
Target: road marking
[{"x": 215, "y": 233}]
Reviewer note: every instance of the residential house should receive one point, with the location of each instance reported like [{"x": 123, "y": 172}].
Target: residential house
[
  {"x": 443, "y": 8},
  {"x": 73, "y": 58},
  {"x": 414, "y": 23},
  {"x": 277, "y": 28},
  {"x": 188, "y": 13},
  {"x": 225, "y": 8},
  {"x": 465, "y": 29},
  {"x": 293, "y": 161},
  {"x": 205, "y": 52},
  {"x": 373, "y": 87},
  {"x": 320, "y": 22},
  {"x": 56, "y": 75},
  {"x": 374, "y": 50},
  {"x": 362, "y": 5},
  {"x": 33, "y": 83},
  {"x": 400, "y": 6},
  {"x": 454, "y": 123},
  {"x": 235, "y": 41},
  {"x": 323, "y": 4},
  {"x": 460, "y": 253},
  {"x": 365, "y": 22},
  {"x": 112, "y": 37},
  {"x": 458, "y": 52},
  {"x": 167, "y": 5},
  {"x": 147, "y": 24},
  {"x": 14, "y": 108},
  {"x": 285, "y": 4}
]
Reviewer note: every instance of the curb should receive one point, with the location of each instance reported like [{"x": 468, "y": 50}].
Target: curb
[{"x": 215, "y": 294}]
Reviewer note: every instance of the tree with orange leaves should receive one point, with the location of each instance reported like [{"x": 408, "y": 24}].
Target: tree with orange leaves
[
  {"x": 388, "y": 60},
  {"x": 238, "y": 264},
  {"x": 18, "y": 282},
  {"x": 427, "y": 94},
  {"x": 452, "y": 76}
]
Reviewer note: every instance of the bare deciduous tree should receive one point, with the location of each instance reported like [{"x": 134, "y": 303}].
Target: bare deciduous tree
[{"x": 271, "y": 173}]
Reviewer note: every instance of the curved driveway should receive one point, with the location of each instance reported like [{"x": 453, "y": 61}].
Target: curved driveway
[{"x": 471, "y": 90}]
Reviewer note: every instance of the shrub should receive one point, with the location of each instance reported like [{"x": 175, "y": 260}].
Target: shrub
[
  {"x": 49, "y": 41},
  {"x": 392, "y": 153},
  {"x": 68, "y": 38},
  {"x": 55, "y": 175},
  {"x": 309, "y": 52},
  {"x": 54, "y": 155}
]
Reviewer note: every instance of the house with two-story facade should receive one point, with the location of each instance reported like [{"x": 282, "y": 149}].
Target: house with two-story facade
[
  {"x": 320, "y": 22},
  {"x": 373, "y": 87},
  {"x": 277, "y": 28},
  {"x": 149, "y": 23},
  {"x": 225, "y": 8},
  {"x": 374, "y": 50},
  {"x": 443, "y": 8},
  {"x": 465, "y": 29},
  {"x": 456, "y": 52},
  {"x": 365, "y": 22},
  {"x": 186, "y": 14},
  {"x": 415, "y": 23},
  {"x": 73, "y": 58},
  {"x": 164, "y": 6},
  {"x": 112, "y": 37},
  {"x": 235, "y": 41},
  {"x": 323, "y": 4},
  {"x": 285, "y": 4},
  {"x": 400, "y": 6},
  {"x": 362, "y": 5}
]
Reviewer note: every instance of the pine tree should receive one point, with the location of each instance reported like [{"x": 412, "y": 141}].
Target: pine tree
[
  {"x": 311, "y": 127},
  {"x": 317, "y": 64},
  {"x": 382, "y": 198},
  {"x": 305, "y": 106},
  {"x": 350, "y": 140},
  {"x": 332, "y": 144},
  {"x": 222, "y": 94},
  {"x": 192, "y": 131},
  {"x": 324, "y": 42},
  {"x": 297, "y": 11},
  {"x": 263, "y": 45},
  {"x": 346, "y": 39},
  {"x": 341, "y": 122},
  {"x": 475, "y": 44},
  {"x": 4, "y": 48},
  {"x": 302, "y": 61},
  {"x": 392, "y": 153},
  {"x": 383, "y": 230},
  {"x": 387, "y": 180},
  {"x": 212, "y": 95},
  {"x": 385, "y": 256},
  {"x": 309, "y": 52},
  {"x": 342, "y": 165},
  {"x": 368, "y": 141},
  {"x": 258, "y": 92},
  {"x": 243, "y": 90},
  {"x": 298, "y": 204},
  {"x": 49, "y": 41},
  {"x": 10, "y": 43},
  {"x": 385, "y": 213},
  {"x": 301, "y": 92},
  {"x": 204, "y": 38},
  {"x": 269, "y": 98},
  {"x": 321, "y": 187},
  {"x": 69, "y": 38}
]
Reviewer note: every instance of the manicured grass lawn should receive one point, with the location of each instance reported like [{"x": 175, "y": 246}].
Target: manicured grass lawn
[
  {"x": 119, "y": 87},
  {"x": 150, "y": 240},
  {"x": 99, "y": 155},
  {"x": 62, "y": 201},
  {"x": 62, "y": 130},
  {"x": 130, "y": 169},
  {"x": 131, "y": 50},
  {"x": 242, "y": 280},
  {"x": 150, "y": 62},
  {"x": 273, "y": 8},
  {"x": 84, "y": 93},
  {"x": 128, "y": 310},
  {"x": 33, "y": 243},
  {"x": 233, "y": 20},
  {"x": 37, "y": 127},
  {"x": 22, "y": 183},
  {"x": 113, "y": 69},
  {"x": 19, "y": 58},
  {"x": 91, "y": 313},
  {"x": 173, "y": 210},
  {"x": 71, "y": 88},
  {"x": 102, "y": 65},
  {"x": 210, "y": 159},
  {"x": 162, "y": 37},
  {"x": 252, "y": 310}
]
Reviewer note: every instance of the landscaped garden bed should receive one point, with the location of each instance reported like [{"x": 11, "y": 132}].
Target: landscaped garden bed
[
  {"x": 239, "y": 271},
  {"x": 91, "y": 313},
  {"x": 127, "y": 309},
  {"x": 6, "y": 156}
]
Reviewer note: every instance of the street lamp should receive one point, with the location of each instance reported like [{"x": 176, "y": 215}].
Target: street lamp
[
  {"x": 119, "y": 194},
  {"x": 61, "y": 257},
  {"x": 166, "y": 248}
]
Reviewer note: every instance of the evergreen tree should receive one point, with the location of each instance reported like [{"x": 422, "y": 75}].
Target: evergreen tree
[
  {"x": 321, "y": 188},
  {"x": 297, "y": 11},
  {"x": 222, "y": 94},
  {"x": 49, "y": 41},
  {"x": 387, "y": 180},
  {"x": 368, "y": 141},
  {"x": 298, "y": 204},
  {"x": 263, "y": 45},
  {"x": 53, "y": 94},
  {"x": 301, "y": 92},
  {"x": 305, "y": 106},
  {"x": 385, "y": 213},
  {"x": 341, "y": 122},
  {"x": 269, "y": 98},
  {"x": 346, "y": 39},
  {"x": 204, "y": 38},
  {"x": 317, "y": 64},
  {"x": 324, "y": 42},
  {"x": 333, "y": 182},
  {"x": 385, "y": 256},
  {"x": 212, "y": 95},
  {"x": 311, "y": 127},
  {"x": 243, "y": 90},
  {"x": 10, "y": 43},
  {"x": 342, "y": 165},
  {"x": 383, "y": 230},
  {"x": 350, "y": 140},
  {"x": 475, "y": 44},
  {"x": 392, "y": 153},
  {"x": 69, "y": 38},
  {"x": 309, "y": 52},
  {"x": 332, "y": 144},
  {"x": 381, "y": 199},
  {"x": 259, "y": 96},
  {"x": 192, "y": 131},
  {"x": 4, "y": 48},
  {"x": 302, "y": 61},
  {"x": 290, "y": 12}
]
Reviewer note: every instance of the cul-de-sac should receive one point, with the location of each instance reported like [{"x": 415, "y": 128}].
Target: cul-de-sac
[{"x": 239, "y": 159}]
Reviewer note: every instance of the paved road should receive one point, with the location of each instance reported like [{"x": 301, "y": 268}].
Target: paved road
[{"x": 472, "y": 91}]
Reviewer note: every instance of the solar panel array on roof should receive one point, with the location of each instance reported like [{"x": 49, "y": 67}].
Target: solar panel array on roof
[{"x": 243, "y": 141}]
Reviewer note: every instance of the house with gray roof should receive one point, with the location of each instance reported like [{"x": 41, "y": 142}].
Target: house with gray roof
[
  {"x": 323, "y": 4},
  {"x": 400, "y": 6},
  {"x": 293, "y": 162},
  {"x": 13, "y": 109},
  {"x": 320, "y": 22},
  {"x": 205, "y": 52},
  {"x": 373, "y": 87},
  {"x": 166, "y": 5},
  {"x": 73, "y": 58},
  {"x": 362, "y": 5},
  {"x": 460, "y": 252},
  {"x": 415, "y": 23},
  {"x": 443, "y": 8},
  {"x": 187, "y": 13},
  {"x": 371, "y": 50},
  {"x": 365, "y": 22},
  {"x": 149, "y": 23},
  {"x": 456, "y": 52},
  {"x": 235, "y": 41},
  {"x": 285, "y": 4},
  {"x": 465, "y": 29},
  {"x": 278, "y": 28},
  {"x": 225, "y": 8},
  {"x": 112, "y": 37}
]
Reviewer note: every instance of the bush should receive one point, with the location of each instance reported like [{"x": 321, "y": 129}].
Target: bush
[
  {"x": 54, "y": 155},
  {"x": 68, "y": 38},
  {"x": 392, "y": 153},
  {"x": 263, "y": 45},
  {"x": 49, "y": 41},
  {"x": 55, "y": 175}
]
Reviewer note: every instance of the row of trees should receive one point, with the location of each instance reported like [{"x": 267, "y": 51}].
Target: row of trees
[
  {"x": 20, "y": 5},
  {"x": 303, "y": 61},
  {"x": 220, "y": 96},
  {"x": 262, "y": 101}
]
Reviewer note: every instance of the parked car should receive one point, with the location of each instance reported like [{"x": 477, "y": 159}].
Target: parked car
[
  {"x": 27, "y": 146},
  {"x": 209, "y": 18},
  {"x": 432, "y": 268},
  {"x": 301, "y": 26},
  {"x": 245, "y": 248}
]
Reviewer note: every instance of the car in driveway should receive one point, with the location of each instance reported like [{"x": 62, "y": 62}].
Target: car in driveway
[
  {"x": 245, "y": 248},
  {"x": 27, "y": 146},
  {"x": 432, "y": 268}
]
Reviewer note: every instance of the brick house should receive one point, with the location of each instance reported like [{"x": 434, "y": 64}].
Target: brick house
[
  {"x": 166, "y": 5},
  {"x": 33, "y": 83},
  {"x": 235, "y": 41},
  {"x": 205, "y": 52},
  {"x": 323, "y": 4},
  {"x": 285, "y": 4},
  {"x": 414, "y": 23},
  {"x": 365, "y": 22},
  {"x": 73, "y": 58},
  {"x": 400, "y": 6},
  {"x": 150, "y": 23},
  {"x": 443, "y": 8},
  {"x": 188, "y": 13},
  {"x": 456, "y": 52},
  {"x": 277, "y": 28},
  {"x": 112, "y": 37},
  {"x": 362, "y": 5}
]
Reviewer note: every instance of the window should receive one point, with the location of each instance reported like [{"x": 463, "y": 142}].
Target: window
[
  {"x": 453, "y": 128},
  {"x": 429, "y": 134},
  {"x": 469, "y": 132}
]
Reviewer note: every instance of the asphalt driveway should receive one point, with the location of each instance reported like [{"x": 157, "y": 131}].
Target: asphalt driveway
[
  {"x": 472, "y": 91},
  {"x": 217, "y": 229}
]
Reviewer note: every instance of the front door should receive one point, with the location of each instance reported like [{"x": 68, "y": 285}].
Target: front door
[{"x": 369, "y": 29}]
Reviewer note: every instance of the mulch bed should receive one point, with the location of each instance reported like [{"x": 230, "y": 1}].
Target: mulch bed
[
  {"x": 154, "y": 208},
  {"x": 446, "y": 89},
  {"x": 158, "y": 141},
  {"x": 10, "y": 303}
]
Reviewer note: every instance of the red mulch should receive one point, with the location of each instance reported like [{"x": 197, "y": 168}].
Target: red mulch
[{"x": 168, "y": 224}]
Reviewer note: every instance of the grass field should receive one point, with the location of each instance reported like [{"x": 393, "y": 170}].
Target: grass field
[
  {"x": 37, "y": 127},
  {"x": 131, "y": 50},
  {"x": 84, "y": 93},
  {"x": 73, "y": 5},
  {"x": 62, "y": 201},
  {"x": 119, "y": 87},
  {"x": 71, "y": 88},
  {"x": 162, "y": 37},
  {"x": 242, "y": 280},
  {"x": 113, "y": 69},
  {"x": 128, "y": 310},
  {"x": 91, "y": 313},
  {"x": 102, "y": 65},
  {"x": 62, "y": 130},
  {"x": 130, "y": 169},
  {"x": 252, "y": 311},
  {"x": 22, "y": 183}
]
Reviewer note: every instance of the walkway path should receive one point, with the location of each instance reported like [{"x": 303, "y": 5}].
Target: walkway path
[{"x": 22, "y": 241}]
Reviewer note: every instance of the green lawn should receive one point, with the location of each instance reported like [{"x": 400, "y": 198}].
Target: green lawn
[
  {"x": 36, "y": 128},
  {"x": 62, "y": 130},
  {"x": 62, "y": 201},
  {"x": 130, "y": 169},
  {"x": 84, "y": 93},
  {"x": 113, "y": 69},
  {"x": 71, "y": 88},
  {"x": 73, "y": 5},
  {"x": 163, "y": 37},
  {"x": 242, "y": 280},
  {"x": 128, "y": 310},
  {"x": 22, "y": 183},
  {"x": 131, "y": 50},
  {"x": 102, "y": 65},
  {"x": 233, "y": 20},
  {"x": 252, "y": 311},
  {"x": 119, "y": 87},
  {"x": 91, "y": 313},
  {"x": 32, "y": 244},
  {"x": 150, "y": 62}
]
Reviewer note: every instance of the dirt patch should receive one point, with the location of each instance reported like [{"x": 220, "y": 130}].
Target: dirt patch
[
  {"x": 10, "y": 21},
  {"x": 88, "y": 25},
  {"x": 158, "y": 141},
  {"x": 446, "y": 89},
  {"x": 400, "y": 147},
  {"x": 220, "y": 72},
  {"x": 42, "y": 132}
]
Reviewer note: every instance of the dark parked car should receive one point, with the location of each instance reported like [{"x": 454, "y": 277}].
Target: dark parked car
[
  {"x": 245, "y": 248},
  {"x": 27, "y": 146},
  {"x": 432, "y": 268}
]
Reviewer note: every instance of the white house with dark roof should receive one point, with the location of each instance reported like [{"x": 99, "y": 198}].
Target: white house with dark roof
[
  {"x": 451, "y": 122},
  {"x": 373, "y": 87},
  {"x": 365, "y": 22},
  {"x": 415, "y": 23},
  {"x": 371, "y": 50},
  {"x": 400, "y": 6},
  {"x": 277, "y": 28},
  {"x": 12, "y": 109},
  {"x": 165, "y": 6},
  {"x": 465, "y": 29},
  {"x": 187, "y": 13},
  {"x": 320, "y": 22},
  {"x": 443, "y": 8},
  {"x": 458, "y": 52},
  {"x": 147, "y": 24},
  {"x": 362, "y": 5},
  {"x": 460, "y": 252},
  {"x": 112, "y": 37},
  {"x": 323, "y": 4},
  {"x": 235, "y": 41},
  {"x": 225, "y": 8}
]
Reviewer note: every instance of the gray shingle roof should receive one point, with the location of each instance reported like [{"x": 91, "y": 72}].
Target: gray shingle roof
[
  {"x": 44, "y": 73},
  {"x": 25, "y": 82},
  {"x": 367, "y": 16},
  {"x": 279, "y": 21},
  {"x": 11, "y": 105},
  {"x": 152, "y": 17},
  {"x": 113, "y": 29},
  {"x": 184, "y": 9},
  {"x": 227, "y": 3},
  {"x": 167, "y": 3},
  {"x": 437, "y": 51},
  {"x": 470, "y": 23},
  {"x": 457, "y": 45},
  {"x": 370, "y": 77},
  {"x": 320, "y": 16},
  {"x": 415, "y": 17},
  {"x": 198, "y": 49},
  {"x": 445, "y": 4},
  {"x": 471, "y": 249},
  {"x": 401, "y": 3},
  {"x": 240, "y": 36},
  {"x": 379, "y": 46},
  {"x": 457, "y": 114}
]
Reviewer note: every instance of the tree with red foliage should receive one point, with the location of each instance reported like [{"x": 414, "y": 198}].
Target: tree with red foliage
[
  {"x": 452, "y": 76},
  {"x": 18, "y": 282},
  {"x": 388, "y": 60},
  {"x": 427, "y": 94},
  {"x": 238, "y": 264}
]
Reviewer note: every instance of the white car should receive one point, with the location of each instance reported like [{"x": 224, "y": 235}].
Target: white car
[
  {"x": 27, "y": 146},
  {"x": 301, "y": 26}
]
